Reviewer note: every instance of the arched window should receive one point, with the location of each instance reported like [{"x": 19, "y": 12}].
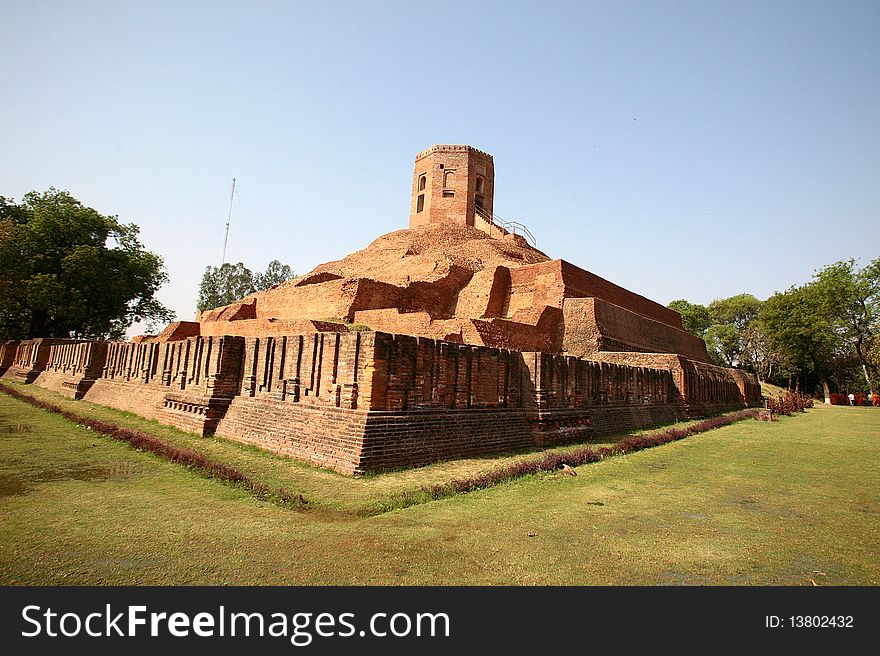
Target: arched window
[
  {"x": 423, "y": 180},
  {"x": 449, "y": 179},
  {"x": 479, "y": 185}
]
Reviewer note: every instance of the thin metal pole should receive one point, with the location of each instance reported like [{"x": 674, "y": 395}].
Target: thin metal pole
[{"x": 228, "y": 219}]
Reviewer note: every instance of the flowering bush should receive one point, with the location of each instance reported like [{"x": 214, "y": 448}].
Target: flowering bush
[{"x": 786, "y": 404}]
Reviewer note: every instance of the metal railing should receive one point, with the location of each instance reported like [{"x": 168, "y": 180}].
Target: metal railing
[{"x": 508, "y": 227}]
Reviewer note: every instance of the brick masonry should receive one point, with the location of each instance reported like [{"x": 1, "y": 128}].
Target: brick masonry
[
  {"x": 454, "y": 275},
  {"x": 478, "y": 343},
  {"x": 73, "y": 367},
  {"x": 368, "y": 401}
]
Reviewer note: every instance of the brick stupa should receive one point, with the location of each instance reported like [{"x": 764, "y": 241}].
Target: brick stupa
[
  {"x": 459, "y": 274},
  {"x": 454, "y": 337}
]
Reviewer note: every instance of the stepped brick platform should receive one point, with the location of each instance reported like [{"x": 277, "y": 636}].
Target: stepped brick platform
[
  {"x": 369, "y": 401},
  {"x": 454, "y": 337}
]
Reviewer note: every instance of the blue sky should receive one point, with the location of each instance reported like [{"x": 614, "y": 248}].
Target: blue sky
[{"x": 681, "y": 149}]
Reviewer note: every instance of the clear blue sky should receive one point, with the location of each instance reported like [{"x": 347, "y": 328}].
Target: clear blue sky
[{"x": 682, "y": 149}]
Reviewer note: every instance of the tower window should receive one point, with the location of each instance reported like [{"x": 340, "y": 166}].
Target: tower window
[
  {"x": 423, "y": 180},
  {"x": 449, "y": 179},
  {"x": 479, "y": 185},
  {"x": 420, "y": 203}
]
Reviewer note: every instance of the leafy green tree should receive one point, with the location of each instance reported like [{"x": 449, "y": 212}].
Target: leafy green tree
[
  {"x": 759, "y": 355},
  {"x": 849, "y": 299},
  {"x": 729, "y": 317},
  {"x": 232, "y": 282},
  {"x": 275, "y": 274},
  {"x": 67, "y": 270},
  {"x": 797, "y": 326},
  {"x": 224, "y": 285},
  {"x": 724, "y": 344},
  {"x": 694, "y": 317},
  {"x": 738, "y": 311}
]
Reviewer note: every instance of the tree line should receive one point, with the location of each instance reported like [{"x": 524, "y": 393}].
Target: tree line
[
  {"x": 66, "y": 270},
  {"x": 822, "y": 334},
  {"x": 231, "y": 282}
]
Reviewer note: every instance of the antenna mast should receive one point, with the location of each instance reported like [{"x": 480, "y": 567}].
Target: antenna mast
[{"x": 228, "y": 219}]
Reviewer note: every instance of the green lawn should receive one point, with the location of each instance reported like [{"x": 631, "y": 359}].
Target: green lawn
[{"x": 752, "y": 503}]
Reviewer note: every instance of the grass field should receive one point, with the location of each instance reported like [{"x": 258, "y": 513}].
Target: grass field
[{"x": 788, "y": 502}]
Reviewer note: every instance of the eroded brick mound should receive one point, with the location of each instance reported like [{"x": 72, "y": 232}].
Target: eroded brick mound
[
  {"x": 455, "y": 283},
  {"x": 446, "y": 282},
  {"x": 423, "y": 254}
]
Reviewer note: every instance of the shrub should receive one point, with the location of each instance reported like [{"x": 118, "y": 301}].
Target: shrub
[{"x": 788, "y": 403}]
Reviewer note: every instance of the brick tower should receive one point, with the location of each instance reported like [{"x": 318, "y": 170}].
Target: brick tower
[{"x": 453, "y": 184}]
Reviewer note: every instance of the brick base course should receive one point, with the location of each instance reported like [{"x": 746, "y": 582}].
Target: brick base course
[
  {"x": 615, "y": 419},
  {"x": 328, "y": 437},
  {"x": 367, "y": 402}
]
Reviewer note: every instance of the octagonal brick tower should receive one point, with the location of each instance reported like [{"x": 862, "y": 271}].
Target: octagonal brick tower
[{"x": 453, "y": 184}]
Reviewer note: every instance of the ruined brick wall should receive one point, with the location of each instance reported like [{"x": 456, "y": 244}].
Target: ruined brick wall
[
  {"x": 534, "y": 286},
  {"x": 485, "y": 294},
  {"x": 749, "y": 386},
  {"x": 359, "y": 402},
  {"x": 416, "y": 373},
  {"x": 373, "y": 401},
  {"x": 551, "y": 283},
  {"x": 538, "y": 332},
  {"x": 410, "y": 439},
  {"x": 709, "y": 388},
  {"x": 7, "y": 354},
  {"x": 591, "y": 325},
  {"x": 321, "y": 369},
  {"x": 570, "y": 382},
  {"x": 306, "y": 396},
  {"x": 581, "y": 283},
  {"x": 30, "y": 359},
  {"x": 324, "y": 436},
  {"x": 187, "y": 383},
  {"x": 700, "y": 388},
  {"x": 73, "y": 366},
  {"x": 620, "y": 419},
  {"x": 331, "y": 299}
]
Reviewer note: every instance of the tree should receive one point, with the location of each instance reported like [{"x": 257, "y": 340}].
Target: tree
[
  {"x": 724, "y": 344},
  {"x": 729, "y": 318},
  {"x": 798, "y": 328},
  {"x": 224, "y": 285},
  {"x": 738, "y": 311},
  {"x": 68, "y": 270},
  {"x": 694, "y": 317},
  {"x": 232, "y": 282},
  {"x": 849, "y": 299},
  {"x": 759, "y": 355},
  {"x": 276, "y": 273}
]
